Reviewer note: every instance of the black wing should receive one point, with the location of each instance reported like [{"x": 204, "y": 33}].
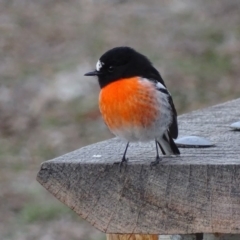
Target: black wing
[
  {"x": 154, "y": 75},
  {"x": 173, "y": 129}
]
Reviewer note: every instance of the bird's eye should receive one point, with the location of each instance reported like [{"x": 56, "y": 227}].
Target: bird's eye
[{"x": 110, "y": 69}]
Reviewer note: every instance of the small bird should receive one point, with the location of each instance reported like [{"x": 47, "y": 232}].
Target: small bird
[{"x": 134, "y": 101}]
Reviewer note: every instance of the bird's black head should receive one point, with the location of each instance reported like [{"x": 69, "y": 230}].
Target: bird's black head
[{"x": 122, "y": 62}]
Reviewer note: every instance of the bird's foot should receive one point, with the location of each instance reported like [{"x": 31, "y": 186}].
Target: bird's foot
[
  {"x": 123, "y": 162},
  {"x": 156, "y": 162}
]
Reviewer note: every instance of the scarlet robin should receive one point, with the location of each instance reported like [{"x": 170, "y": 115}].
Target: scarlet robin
[{"x": 134, "y": 101}]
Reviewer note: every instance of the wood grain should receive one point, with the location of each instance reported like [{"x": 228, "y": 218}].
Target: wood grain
[
  {"x": 131, "y": 237},
  {"x": 198, "y": 191}
]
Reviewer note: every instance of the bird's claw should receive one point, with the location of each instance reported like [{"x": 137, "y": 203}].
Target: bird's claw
[
  {"x": 156, "y": 162},
  {"x": 124, "y": 161}
]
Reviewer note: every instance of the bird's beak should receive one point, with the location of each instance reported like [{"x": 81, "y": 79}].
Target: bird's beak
[{"x": 93, "y": 73}]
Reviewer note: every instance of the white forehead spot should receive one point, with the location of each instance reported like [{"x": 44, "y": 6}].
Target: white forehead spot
[{"x": 99, "y": 65}]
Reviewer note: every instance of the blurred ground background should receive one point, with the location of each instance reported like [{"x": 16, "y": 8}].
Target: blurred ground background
[{"x": 47, "y": 107}]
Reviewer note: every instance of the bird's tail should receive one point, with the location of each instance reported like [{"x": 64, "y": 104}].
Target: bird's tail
[{"x": 167, "y": 145}]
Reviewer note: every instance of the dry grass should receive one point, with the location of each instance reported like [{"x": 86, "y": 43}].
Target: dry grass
[{"x": 48, "y": 108}]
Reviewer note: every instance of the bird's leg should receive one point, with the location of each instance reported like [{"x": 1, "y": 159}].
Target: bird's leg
[
  {"x": 158, "y": 159},
  {"x": 124, "y": 159}
]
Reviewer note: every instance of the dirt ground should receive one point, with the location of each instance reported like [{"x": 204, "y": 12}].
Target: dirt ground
[{"x": 48, "y": 108}]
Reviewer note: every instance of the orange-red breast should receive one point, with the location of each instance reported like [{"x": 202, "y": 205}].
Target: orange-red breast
[{"x": 134, "y": 101}]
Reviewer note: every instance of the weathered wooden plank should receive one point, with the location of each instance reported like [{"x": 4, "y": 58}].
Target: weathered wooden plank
[
  {"x": 196, "y": 192},
  {"x": 131, "y": 237}
]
